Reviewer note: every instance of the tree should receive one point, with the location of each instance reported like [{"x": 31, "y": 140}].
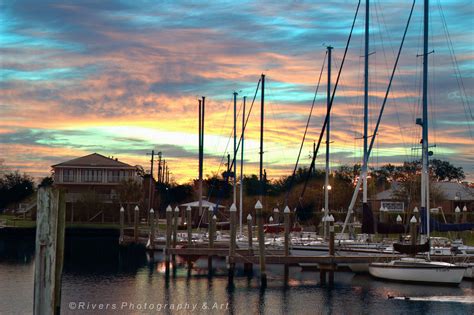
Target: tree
[
  {"x": 14, "y": 187},
  {"x": 46, "y": 181},
  {"x": 443, "y": 170},
  {"x": 130, "y": 191}
]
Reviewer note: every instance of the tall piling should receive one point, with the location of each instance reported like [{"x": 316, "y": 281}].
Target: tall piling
[
  {"x": 261, "y": 243},
  {"x": 233, "y": 235},
  {"x": 330, "y": 219},
  {"x": 189, "y": 225},
  {"x": 169, "y": 218},
  {"x": 135, "y": 224},
  {"x": 413, "y": 236},
  {"x": 286, "y": 220},
  {"x": 49, "y": 253},
  {"x": 248, "y": 267},
  {"x": 152, "y": 229},
  {"x": 122, "y": 224}
]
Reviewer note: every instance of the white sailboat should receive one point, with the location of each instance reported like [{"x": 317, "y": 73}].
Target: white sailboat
[{"x": 416, "y": 269}]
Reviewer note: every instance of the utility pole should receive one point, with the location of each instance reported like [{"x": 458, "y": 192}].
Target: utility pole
[
  {"x": 150, "y": 190},
  {"x": 160, "y": 170}
]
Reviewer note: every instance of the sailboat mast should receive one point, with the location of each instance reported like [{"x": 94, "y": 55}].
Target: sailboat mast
[
  {"x": 366, "y": 102},
  {"x": 424, "y": 173},
  {"x": 235, "y": 148},
  {"x": 262, "y": 107},
  {"x": 241, "y": 206},
  {"x": 326, "y": 181}
]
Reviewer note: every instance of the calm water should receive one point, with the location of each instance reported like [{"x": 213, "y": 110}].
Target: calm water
[{"x": 99, "y": 275}]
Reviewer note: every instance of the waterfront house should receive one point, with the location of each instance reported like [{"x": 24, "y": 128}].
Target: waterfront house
[{"x": 93, "y": 178}]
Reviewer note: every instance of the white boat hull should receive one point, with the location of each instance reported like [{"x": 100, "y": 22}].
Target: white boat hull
[{"x": 440, "y": 273}]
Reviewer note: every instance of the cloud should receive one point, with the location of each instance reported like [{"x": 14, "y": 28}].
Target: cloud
[{"x": 71, "y": 71}]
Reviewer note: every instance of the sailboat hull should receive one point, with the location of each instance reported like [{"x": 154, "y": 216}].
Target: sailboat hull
[{"x": 425, "y": 272}]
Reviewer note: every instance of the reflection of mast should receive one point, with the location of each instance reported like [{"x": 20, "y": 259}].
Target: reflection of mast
[{"x": 326, "y": 180}]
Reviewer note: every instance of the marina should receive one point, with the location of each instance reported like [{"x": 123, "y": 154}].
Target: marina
[{"x": 248, "y": 181}]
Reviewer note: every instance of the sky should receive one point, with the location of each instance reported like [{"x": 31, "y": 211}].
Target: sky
[{"x": 121, "y": 78}]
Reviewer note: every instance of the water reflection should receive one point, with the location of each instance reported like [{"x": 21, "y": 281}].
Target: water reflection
[{"x": 99, "y": 271}]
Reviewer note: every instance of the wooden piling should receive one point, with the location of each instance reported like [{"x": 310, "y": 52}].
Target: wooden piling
[
  {"x": 248, "y": 267},
  {"x": 175, "y": 226},
  {"x": 122, "y": 223},
  {"x": 49, "y": 253},
  {"x": 330, "y": 219},
  {"x": 189, "y": 225},
  {"x": 211, "y": 235},
  {"x": 276, "y": 215},
  {"x": 169, "y": 217},
  {"x": 286, "y": 220},
  {"x": 152, "y": 229},
  {"x": 261, "y": 243},
  {"x": 233, "y": 236},
  {"x": 413, "y": 236},
  {"x": 135, "y": 225}
]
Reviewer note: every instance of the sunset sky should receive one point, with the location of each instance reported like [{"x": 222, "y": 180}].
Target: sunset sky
[{"x": 121, "y": 78}]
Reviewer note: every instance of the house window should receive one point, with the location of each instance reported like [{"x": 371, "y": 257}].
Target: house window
[
  {"x": 113, "y": 177},
  {"x": 92, "y": 176},
  {"x": 68, "y": 175}
]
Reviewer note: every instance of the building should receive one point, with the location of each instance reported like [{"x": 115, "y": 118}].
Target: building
[
  {"x": 92, "y": 173},
  {"x": 454, "y": 195}
]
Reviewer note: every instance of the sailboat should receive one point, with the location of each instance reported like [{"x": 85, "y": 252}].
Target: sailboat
[{"x": 413, "y": 269}]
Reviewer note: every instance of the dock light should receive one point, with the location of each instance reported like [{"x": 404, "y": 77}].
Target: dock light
[
  {"x": 457, "y": 210},
  {"x": 188, "y": 208},
  {"x": 415, "y": 210},
  {"x": 276, "y": 210},
  {"x": 322, "y": 210},
  {"x": 152, "y": 211},
  {"x": 329, "y": 187},
  {"x": 258, "y": 205},
  {"x": 214, "y": 217},
  {"x": 233, "y": 208},
  {"x": 270, "y": 219},
  {"x": 413, "y": 219},
  {"x": 399, "y": 219},
  {"x": 464, "y": 209},
  {"x": 122, "y": 209},
  {"x": 176, "y": 209},
  {"x": 136, "y": 208},
  {"x": 286, "y": 210},
  {"x": 169, "y": 209},
  {"x": 249, "y": 217}
]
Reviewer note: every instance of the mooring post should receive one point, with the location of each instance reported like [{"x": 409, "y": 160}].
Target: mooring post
[
  {"x": 322, "y": 268},
  {"x": 152, "y": 229},
  {"x": 464, "y": 214},
  {"x": 286, "y": 220},
  {"x": 413, "y": 236},
  {"x": 135, "y": 226},
  {"x": 457, "y": 218},
  {"x": 416, "y": 213},
  {"x": 175, "y": 226},
  {"x": 261, "y": 243},
  {"x": 169, "y": 214},
  {"x": 248, "y": 267},
  {"x": 399, "y": 222},
  {"x": 330, "y": 219},
  {"x": 212, "y": 223},
  {"x": 189, "y": 225},
  {"x": 49, "y": 253},
  {"x": 276, "y": 215},
  {"x": 233, "y": 235},
  {"x": 122, "y": 223}
]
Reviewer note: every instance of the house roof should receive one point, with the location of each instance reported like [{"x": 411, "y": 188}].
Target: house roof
[
  {"x": 95, "y": 160},
  {"x": 450, "y": 190}
]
